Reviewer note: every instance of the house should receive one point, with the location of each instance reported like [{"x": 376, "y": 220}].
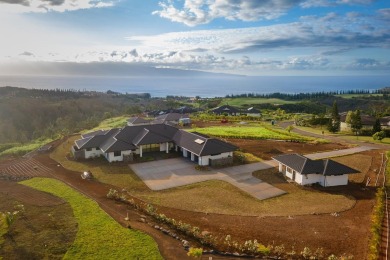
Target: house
[
  {"x": 137, "y": 121},
  {"x": 121, "y": 144},
  {"x": 171, "y": 118},
  {"x": 226, "y": 109},
  {"x": 305, "y": 171},
  {"x": 367, "y": 122},
  {"x": 253, "y": 112}
]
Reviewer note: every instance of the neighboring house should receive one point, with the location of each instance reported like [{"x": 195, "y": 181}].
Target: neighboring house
[
  {"x": 253, "y": 112},
  {"x": 118, "y": 144},
  {"x": 367, "y": 122},
  {"x": 226, "y": 109},
  {"x": 137, "y": 121},
  {"x": 305, "y": 171},
  {"x": 171, "y": 118}
]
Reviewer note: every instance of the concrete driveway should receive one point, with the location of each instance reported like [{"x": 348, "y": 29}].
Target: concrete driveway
[{"x": 165, "y": 174}]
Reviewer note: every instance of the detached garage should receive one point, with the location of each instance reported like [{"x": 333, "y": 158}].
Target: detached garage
[{"x": 305, "y": 171}]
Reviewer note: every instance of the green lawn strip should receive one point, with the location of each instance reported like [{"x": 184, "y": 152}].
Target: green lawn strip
[
  {"x": 250, "y": 132},
  {"x": 99, "y": 236},
  {"x": 109, "y": 123},
  {"x": 21, "y": 149},
  {"x": 254, "y": 101}
]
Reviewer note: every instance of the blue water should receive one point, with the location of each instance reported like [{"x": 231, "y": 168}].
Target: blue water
[{"x": 200, "y": 86}]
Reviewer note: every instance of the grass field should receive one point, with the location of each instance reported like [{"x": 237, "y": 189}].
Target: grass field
[
  {"x": 98, "y": 236},
  {"x": 348, "y": 96},
  {"x": 254, "y": 101},
  {"x": 21, "y": 149},
  {"x": 114, "y": 122},
  {"x": 251, "y": 132}
]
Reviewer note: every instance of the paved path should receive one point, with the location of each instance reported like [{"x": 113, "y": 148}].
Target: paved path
[
  {"x": 165, "y": 174},
  {"x": 170, "y": 173}
]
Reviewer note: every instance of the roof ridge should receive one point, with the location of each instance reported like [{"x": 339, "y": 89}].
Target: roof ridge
[
  {"x": 194, "y": 133},
  {"x": 204, "y": 145},
  {"x": 325, "y": 166}
]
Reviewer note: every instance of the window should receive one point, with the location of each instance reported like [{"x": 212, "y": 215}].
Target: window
[{"x": 118, "y": 153}]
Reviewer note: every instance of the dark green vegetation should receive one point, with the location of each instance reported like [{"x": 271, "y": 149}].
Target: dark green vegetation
[
  {"x": 27, "y": 115},
  {"x": 98, "y": 236},
  {"x": 374, "y": 103},
  {"x": 40, "y": 232}
]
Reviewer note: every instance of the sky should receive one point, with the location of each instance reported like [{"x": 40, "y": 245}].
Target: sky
[{"x": 244, "y": 37}]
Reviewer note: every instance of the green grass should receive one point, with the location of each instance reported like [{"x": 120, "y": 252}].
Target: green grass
[
  {"x": 114, "y": 122},
  {"x": 254, "y": 101},
  {"x": 349, "y": 96},
  {"x": 98, "y": 236},
  {"x": 21, "y": 149},
  {"x": 251, "y": 132}
]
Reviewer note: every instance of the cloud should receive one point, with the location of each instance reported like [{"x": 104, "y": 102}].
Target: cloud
[
  {"x": 333, "y": 3},
  {"x": 41, "y": 6},
  {"x": 328, "y": 32},
  {"x": 368, "y": 64},
  {"x": 26, "y": 53},
  {"x": 195, "y": 12}
]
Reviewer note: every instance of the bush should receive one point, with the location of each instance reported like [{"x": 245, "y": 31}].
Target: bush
[
  {"x": 379, "y": 135},
  {"x": 195, "y": 252},
  {"x": 376, "y": 225}
]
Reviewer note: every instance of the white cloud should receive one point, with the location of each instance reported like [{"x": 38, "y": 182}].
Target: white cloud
[
  {"x": 42, "y": 6},
  {"x": 333, "y": 3},
  {"x": 195, "y": 12}
]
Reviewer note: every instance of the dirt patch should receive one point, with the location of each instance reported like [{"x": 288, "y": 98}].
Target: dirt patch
[
  {"x": 265, "y": 149},
  {"x": 27, "y": 195},
  {"x": 45, "y": 230}
]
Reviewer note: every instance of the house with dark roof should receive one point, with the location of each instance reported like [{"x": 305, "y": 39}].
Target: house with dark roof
[
  {"x": 226, "y": 109},
  {"x": 118, "y": 144},
  {"x": 253, "y": 112},
  {"x": 305, "y": 171},
  {"x": 367, "y": 122},
  {"x": 172, "y": 118}
]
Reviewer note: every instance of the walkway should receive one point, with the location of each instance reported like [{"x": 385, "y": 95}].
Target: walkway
[{"x": 170, "y": 173}]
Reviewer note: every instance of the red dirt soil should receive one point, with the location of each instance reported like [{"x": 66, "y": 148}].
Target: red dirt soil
[{"x": 347, "y": 233}]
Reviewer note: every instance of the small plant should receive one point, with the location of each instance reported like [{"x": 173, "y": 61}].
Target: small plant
[
  {"x": 264, "y": 250},
  {"x": 279, "y": 250},
  {"x": 306, "y": 253},
  {"x": 332, "y": 257},
  {"x": 113, "y": 194},
  {"x": 195, "y": 252}
]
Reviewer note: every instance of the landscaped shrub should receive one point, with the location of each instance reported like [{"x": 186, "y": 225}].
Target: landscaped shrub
[
  {"x": 195, "y": 252},
  {"x": 376, "y": 224}
]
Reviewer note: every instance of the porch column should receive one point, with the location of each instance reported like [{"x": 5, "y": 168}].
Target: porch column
[
  {"x": 167, "y": 148},
  {"x": 140, "y": 151},
  {"x": 176, "y": 148},
  {"x": 280, "y": 167},
  {"x": 192, "y": 157},
  {"x": 184, "y": 153}
]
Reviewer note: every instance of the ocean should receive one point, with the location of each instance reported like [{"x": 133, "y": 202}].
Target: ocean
[{"x": 217, "y": 86}]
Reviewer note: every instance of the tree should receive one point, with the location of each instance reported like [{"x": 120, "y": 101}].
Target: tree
[
  {"x": 379, "y": 135},
  {"x": 356, "y": 122},
  {"x": 289, "y": 128},
  {"x": 377, "y": 126},
  {"x": 334, "y": 122}
]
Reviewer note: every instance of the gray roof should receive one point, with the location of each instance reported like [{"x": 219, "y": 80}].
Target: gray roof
[
  {"x": 204, "y": 146},
  {"x": 225, "y": 109},
  {"x": 171, "y": 117},
  {"x": 130, "y": 137},
  {"x": 305, "y": 165},
  {"x": 253, "y": 110},
  {"x": 94, "y": 133}
]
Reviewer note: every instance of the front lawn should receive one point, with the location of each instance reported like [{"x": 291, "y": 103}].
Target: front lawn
[{"x": 98, "y": 236}]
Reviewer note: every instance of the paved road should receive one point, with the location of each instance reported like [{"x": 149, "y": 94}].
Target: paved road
[
  {"x": 333, "y": 138},
  {"x": 165, "y": 174}
]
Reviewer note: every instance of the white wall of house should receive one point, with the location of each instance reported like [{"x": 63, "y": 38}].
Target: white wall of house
[
  {"x": 289, "y": 173},
  {"x": 205, "y": 160},
  {"x": 305, "y": 179},
  {"x": 95, "y": 152},
  {"x": 253, "y": 114},
  {"x": 112, "y": 158},
  {"x": 335, "y": 180}
]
